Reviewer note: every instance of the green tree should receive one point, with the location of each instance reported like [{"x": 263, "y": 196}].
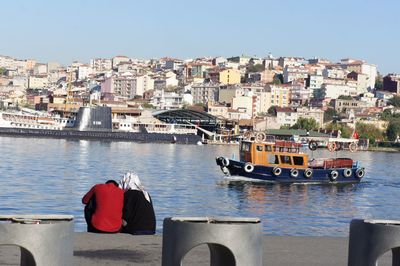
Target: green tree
[
  {"x": 367, "y": 131},
  {"x": 330, "y": 114},
  {"x": 305, "y": 123},
  {"x": 256, "y": 68},
  {"x": 395, "y": 101},
  {"x": 345, "y": 130},
  {"x": 393, "y": 130},
  {"x": 272, "y": 110},
  {"x": 2, "y": 71},
  {"x": 345, "y": 97},
  {"x": 278, "y": 79},
  {"x": 386, "y": 115},
  {"x": 378, "y": 81}
]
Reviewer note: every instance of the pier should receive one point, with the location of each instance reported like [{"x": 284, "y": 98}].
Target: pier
[{"x": 125, "y": 249}]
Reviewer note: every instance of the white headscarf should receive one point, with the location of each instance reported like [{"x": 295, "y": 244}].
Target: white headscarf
[{"x": 131, "y": 181}]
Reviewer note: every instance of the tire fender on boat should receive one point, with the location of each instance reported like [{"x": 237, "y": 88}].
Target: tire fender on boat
[
  {"x": 308, "y": 173},
  {"x": 333, "y": 175},
  {"x": 248, "y": 167},
  {"x": 277, "y": 171},
  {"x": 225, "y": 161},
  {"x": 260, "y": 136},
  {"x": 360, "y": 173},
  {"x": 294, "y": 173},
  {"x": 353, "y": 147},
  {"x": 312, "y": 145},
  {"x": 347, "y": 172}
]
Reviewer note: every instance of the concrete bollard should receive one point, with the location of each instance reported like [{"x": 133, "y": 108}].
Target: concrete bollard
[
  {"x": 231, "y": 240},
  {"x": 370, "y": 239},
  {"x": 45, "y": 240}
]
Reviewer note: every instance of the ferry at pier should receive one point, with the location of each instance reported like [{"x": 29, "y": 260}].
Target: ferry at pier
[{"x": 284, "y": 162}]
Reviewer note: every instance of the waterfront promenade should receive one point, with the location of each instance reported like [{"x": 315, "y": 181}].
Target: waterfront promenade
[{"x": 124, "y": 249}]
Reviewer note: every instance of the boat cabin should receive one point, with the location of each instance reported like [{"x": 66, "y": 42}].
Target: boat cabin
[{"x": 280, "y": 153}]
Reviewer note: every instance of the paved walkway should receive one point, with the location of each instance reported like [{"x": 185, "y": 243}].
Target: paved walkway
[{"x": 124, "y": 249}]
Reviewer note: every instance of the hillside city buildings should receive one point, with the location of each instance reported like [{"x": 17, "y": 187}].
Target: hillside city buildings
[{"x": 239, "y": 89}]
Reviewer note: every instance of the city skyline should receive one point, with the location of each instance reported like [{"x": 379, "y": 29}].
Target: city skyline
[{"x": 81, "y": 30}]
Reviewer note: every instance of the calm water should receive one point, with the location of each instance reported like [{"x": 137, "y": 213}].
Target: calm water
[{"x": 50, "y": 176}]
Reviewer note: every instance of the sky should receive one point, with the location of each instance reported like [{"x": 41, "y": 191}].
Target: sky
[{"x": 69, "y": 30}]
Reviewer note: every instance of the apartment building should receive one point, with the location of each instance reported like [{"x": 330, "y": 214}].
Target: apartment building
[{"x": 205, "y": 92}]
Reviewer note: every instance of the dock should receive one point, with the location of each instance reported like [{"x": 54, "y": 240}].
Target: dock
[{"x": 125, "y": 249}]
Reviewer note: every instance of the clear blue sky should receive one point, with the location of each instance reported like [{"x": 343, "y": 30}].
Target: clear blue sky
[{"x": 63, "y": 31}]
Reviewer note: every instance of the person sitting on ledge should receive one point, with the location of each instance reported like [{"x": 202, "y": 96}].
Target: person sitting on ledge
[
  {"x": 103, "y": 210},
  {"x": 138, "y": 213}
]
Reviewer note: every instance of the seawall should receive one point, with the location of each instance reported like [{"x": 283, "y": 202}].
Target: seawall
[{"x": 124, "y": 249}]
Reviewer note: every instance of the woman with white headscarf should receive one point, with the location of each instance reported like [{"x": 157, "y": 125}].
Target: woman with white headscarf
[{"x": 138, "y": 213}]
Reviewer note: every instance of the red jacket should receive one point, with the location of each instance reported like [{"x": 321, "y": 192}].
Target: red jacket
[{"x": 109, "y": 203}]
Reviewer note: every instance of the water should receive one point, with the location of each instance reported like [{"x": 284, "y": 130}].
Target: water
[{"x": 50, "y": 176}]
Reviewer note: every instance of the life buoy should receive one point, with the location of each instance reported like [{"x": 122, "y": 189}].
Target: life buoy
[
  {"x": 277, "y": 171},
  {"x": 333, "y": 175},
  {"x": 353, "y": 147},
  {"x": 225, "y": 161},
  {"x": 360, "y": 173},
  {"x": 260, "y": 136},
  {"x": 312, "y": 145},
  {"x": 308, "y": 173},
  {"x": 294, "y": 173},
  {"x": 347, "y": 172},
  {"x": 331, "y": 146},
  {"x": 248, "y": 167}
]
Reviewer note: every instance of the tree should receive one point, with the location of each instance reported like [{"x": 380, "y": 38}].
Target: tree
[
  {"x": 272, "y": 110},
  {"x": 367, "y": 131},
  {"x": 345, "y": 130},
  {"x": 395, "y": 101},
  {"x": 330, "y": 114},
  {"x": 305, "y": 123},
  {"x": 2, "y": 71},
  {"x": 256, "y": 68},
  {"x": 378, "y": 81},
  {"x": 393, "y": 130},
  {"x": 345, "y": 97},
  {"x": 278, "y": 79}
]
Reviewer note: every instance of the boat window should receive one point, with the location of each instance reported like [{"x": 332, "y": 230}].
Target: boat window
[
  {"x": 259, "y": 148},
  {"x": 298, "y": 160},
  {"x": 285, "y": 159},
  {"x": 245, "y": 146},
  {"x": 273, "y": 159},
  {"x": 268, "y": 148}
]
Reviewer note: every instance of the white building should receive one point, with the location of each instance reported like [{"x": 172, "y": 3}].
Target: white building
[
  {"x": 292, "y": 73},
  {"x": 167, "y": 100},
  {"x": 333, "y": 91},
  {"x": 245, "y": 104},
  {"x": 84, "y": 72},
  {"x": 101, "y": 64}
]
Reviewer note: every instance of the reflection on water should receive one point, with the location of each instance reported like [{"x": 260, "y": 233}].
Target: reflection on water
[{"x": 49, "y": 176}]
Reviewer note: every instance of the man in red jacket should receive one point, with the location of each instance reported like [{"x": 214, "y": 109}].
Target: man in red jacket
[{"x": 103, "y": 210}]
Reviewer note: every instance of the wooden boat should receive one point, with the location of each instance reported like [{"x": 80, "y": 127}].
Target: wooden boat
[{"x": 282, "y": 162}]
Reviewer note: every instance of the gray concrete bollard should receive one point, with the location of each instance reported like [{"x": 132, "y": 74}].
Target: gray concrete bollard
[
  {"x": 45, "y": 240},
  {"x": 370, "y": 239},
  {"x": 232, "y": 241}
]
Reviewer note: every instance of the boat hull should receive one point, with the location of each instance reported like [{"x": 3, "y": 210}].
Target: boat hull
[
  {"x": 266, "y": 173},
  {"x": 103, "y": 135}
]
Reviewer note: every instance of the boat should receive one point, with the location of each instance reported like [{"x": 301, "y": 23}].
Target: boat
[
  {"x": 285, "y": 162},
  {"x": 95, "y": 123}
]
